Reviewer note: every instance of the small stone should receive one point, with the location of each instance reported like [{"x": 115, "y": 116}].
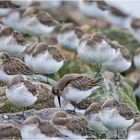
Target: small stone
[{"x": 5, "y": 117}]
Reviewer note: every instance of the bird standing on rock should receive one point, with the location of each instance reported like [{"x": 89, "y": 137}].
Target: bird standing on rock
[
  {"x": 22, "y": 93},
  {"x": 75, "y": 87},
  {"x": 43, "y": 58}
]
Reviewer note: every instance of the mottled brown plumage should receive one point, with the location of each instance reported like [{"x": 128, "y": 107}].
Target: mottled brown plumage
[
  {"x": 85, "y": 37},
  {"x": 125, "y": 53},
  {"x": 45, "y": 127},
  {"x": 135, "y": 23},
  {"x": 122, "y": 108},
  {"x": 29, "y": 49},
  {"x": 84, "y": 104},
  {"x": 77, "y": 125},
  {"x": 46, "y": 19},
  {"x": 8, "y": 131},
  {"x": 117, "y": 12},
  {"x": 114, "y": 44},
  {"x": 72, "y": 27},
  {"x": 19, "y": 38},
  {"x": 102, "y": 5},
  {"x": 31, "y": 87},
  {"x": 93, "y": 108},
  {"x": 89, "y": 1},
  {"x": 55, "y": 54},
  {"x": 37, "y": 49},
  {"x": 94, "y": 39},
  {"x": 13, "y": 66},
  {"x": 125, "y": 111},
  {"x": 30, "y": 11},
  {"x": 17, "y": 79},
  {"x": 40, "y": 48},
  {"x": 78, "y": 81},
  {"x": 6, "y": 32},
  {"x": 110, "y": 103},
  {"x": 84, "y": 83},
  {"x": 8, "y": 4}
]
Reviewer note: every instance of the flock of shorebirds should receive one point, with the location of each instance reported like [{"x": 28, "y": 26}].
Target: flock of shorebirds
[{"x": 25, "y": 68}]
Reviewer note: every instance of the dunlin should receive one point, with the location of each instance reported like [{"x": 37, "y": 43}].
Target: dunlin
[
  {"x": 8, "y": 131},
  {"x": 115, "y": 115},
  {"x": 12, "y": 42},
  {"x": 134, "y": 28},
  {"x": 38, "y": 22},
  {"x": 96, "y": 48},
  {"x": 122, "y": 60},
  {"x": 69, "y": 37},
  {"x": 11, "y": 66},
  {"x": 6, "y": 7},
  {"x": 75, "y": 87},
  {"x": 14, "y": 20},
  {"x": 92, "y": 115},
  {"x": 93, "y": 8},
  {"x": 136, "y": 59},
  {"x": 134, "y": 132},
  {"x": 137, "y": 93},
  {"x": 76, "y": 127},
  {"x": 22, "y": 93},
  {"x": 43, "y": 58},
  {"x": 36, "y": 128},
  {"x": 116, "y": 15}
]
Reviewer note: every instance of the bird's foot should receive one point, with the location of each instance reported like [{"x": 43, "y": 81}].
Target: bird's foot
[
  {"x": 21, "y": 116},
  {"x": 71, "y": 112}
]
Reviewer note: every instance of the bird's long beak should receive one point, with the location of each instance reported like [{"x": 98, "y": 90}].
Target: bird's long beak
[{"x": 59, "y": 100}]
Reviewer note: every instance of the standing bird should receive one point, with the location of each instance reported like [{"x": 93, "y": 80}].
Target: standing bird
[
  {"x": 75, "y": 127},
  {"x": 36, "y": 128},
  {"x": 11, "y": 66},
  {"x": 121, "y": 62},
  {"x": 14, "y": 20},
  {"x": 116, "y": 115},
  {"x": 75, "y": 87},
  {"x": 96, "y": 48},
  {"x": 22, "y": 93},
  {"x": 38, "y": 22},
  {"x": 116, "y": 15},
  {"x": 92, "y": 8},
  {"x": 92, "y": 115},
  {"x": 12, "y": 42},
  {"x": 43, "y": 58},
  {"x": 69, "y": 37}
]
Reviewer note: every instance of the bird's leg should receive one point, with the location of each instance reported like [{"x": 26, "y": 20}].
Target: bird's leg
[
  {"x": 72, "y": 111},
  {"x": 98, "y": 69},
  {"x": 117, "y": 134},
  {"x": 23, "y": 113},
  {"x": 39, "y": 39},
  {"x": 117, "y": 78}
]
